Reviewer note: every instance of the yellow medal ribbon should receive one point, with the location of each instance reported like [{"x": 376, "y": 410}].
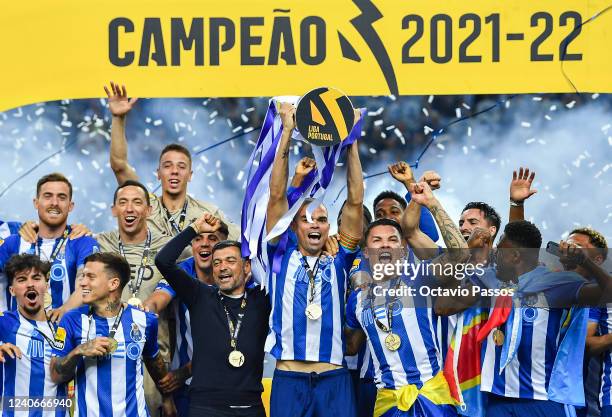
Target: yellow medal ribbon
[{"x": 435, "y": 390}]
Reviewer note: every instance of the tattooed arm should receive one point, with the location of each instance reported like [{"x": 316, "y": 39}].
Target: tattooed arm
[
  {"x": 278, "y": 205},
  {"x": 159, "y": 371},
  {"x": 64, "y": 368},
  {"x": 457, "y": 247}
]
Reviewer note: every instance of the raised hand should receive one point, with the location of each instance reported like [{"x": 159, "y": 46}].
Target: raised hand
[
  {"x": 118, "y": 102},
  {"x": 287, "y": 114},
  {"x": 400, "y": 171},
  {"x": 421, "y": 193},
  {"x": 520, "y": 187},
  {"x": 432, "y": 178},
  {"x": 207, "y": 223},
  {"x": 305, "y": 166}
]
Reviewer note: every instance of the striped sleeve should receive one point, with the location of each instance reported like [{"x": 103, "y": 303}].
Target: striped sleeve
[{"x": 151, "y": 348}]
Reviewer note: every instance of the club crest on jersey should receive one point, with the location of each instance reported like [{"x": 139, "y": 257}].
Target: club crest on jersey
[
  {"x": 57, "y": 272},
  {"x": 1, "y": 241},
  {"x": 133, "y": 351},
  {"x": 356, "y": 264},
  {"x": 135, "y": 333}
]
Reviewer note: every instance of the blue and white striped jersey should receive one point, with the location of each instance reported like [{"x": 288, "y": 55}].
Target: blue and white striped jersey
[
  {"x": 292, "y": 335},
  {"x": 603, "y": 318},
  {"x": 30, "y": 375},
  {"x": 528, "y": 374},
  {"x": 418, "y": 358},
  {"x": 111, "y": 385},
  {"x": 8, "y": 228},
  {"x": 63, "y": 271}
]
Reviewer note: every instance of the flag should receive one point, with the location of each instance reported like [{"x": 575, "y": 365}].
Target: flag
[
  {"x": 257, "y": 194},
  {"x": 462, "y": 367}
]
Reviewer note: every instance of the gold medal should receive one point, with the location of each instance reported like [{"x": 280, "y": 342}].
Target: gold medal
[
  {"x": 498, "y": 337},
  {"x": 236, "y": 358},
  {"x": 314, "y": 311},
  {"x": 392, "y": 342},
  {"x": 47, "y": 300},
  {"x": 113, "y": 345},
  {"x": 135, "y": 302}
]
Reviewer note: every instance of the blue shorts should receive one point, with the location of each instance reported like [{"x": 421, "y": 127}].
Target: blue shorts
[
  {"x": 300, "y": 394},
  {"x": 606, "y": 411},
  {"x": 366, "y": 398},
  {"x": 422, "y": 407},
  {"x": 498, "y": 406}
]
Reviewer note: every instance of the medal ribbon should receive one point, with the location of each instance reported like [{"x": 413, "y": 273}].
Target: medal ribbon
[
  {"x": 234, "y": 330},
  {"x": 311, "y": 276},
  {"x": 388, "y": 308},
  {"x": 135, "y": 287},
  {"x": 114, "y": 327},
  {"x": 59, "y": 243},
  {"x": 51, "y": 327},
  {"x": 178, "y": 228}
]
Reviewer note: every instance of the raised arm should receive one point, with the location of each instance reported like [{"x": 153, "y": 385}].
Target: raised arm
[
  {"x": 120, "y": 106},
  {"x": 422, "y": 194},
  {"x": 278, "y": 205},
  {"x": 352, "y": 215},
  {"x": 414, "y": 236},
  {"x": 520, "y": 190},
  {"x": 185, "y": 286}
]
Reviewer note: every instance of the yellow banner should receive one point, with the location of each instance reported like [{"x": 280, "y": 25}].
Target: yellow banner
[{"x": 195, "y": 48}]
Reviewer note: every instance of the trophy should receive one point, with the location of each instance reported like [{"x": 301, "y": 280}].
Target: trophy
[{"x": 324, "y": 116}]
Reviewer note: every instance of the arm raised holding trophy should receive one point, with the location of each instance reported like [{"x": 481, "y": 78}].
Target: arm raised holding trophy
[{"x": 311, "y": 285}]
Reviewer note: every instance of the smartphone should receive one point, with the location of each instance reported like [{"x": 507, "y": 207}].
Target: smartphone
[{"x": 553, "y": 248}]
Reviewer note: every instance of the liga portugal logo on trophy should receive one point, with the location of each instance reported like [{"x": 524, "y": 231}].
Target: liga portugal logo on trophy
[{"x": 324, "y": 116}]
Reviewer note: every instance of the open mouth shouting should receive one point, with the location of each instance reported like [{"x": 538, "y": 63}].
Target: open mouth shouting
[
  {"x": 204, "y": 254},
  {"x": 31, "y": 297},
  {"x": 130, "y": 221},
  {"x": 314, "y": 238},
  {"x": 385, "y": 257}
]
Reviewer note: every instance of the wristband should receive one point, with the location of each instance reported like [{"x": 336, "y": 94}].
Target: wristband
[{"x": 516, "y": 203}]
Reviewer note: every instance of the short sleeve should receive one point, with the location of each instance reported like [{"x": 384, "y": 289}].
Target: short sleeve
[
  {"x": 66, "y": 335},
  {"x": 163, "y": 285},
  {"x": 7, "y": 249},
  {"x": 86, "y": 246},
  {"x": 351, "y": 308},
  {"x": 151, "y": 348}
]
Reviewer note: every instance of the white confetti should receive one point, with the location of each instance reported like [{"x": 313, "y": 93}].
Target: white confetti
[
  {"x": 525, "y": 124},
  {"x": 458, "y": 113},
  {"x": 571, "y": 104},
  {"x": 158, "y": 122},
  {"x": 240, "y": 175},
  {"x": 430, "y": 99},
  {"x": 427, "y": 129},
  {"x": 425, "y": 112},
  {"x": 594, "y": 96},
  {"x": 440, "y": 146},
  {"x": 378, "y": 122}
]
